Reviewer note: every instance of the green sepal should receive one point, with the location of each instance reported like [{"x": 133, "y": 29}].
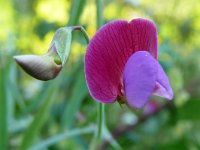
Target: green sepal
[{"x": 62, "y": 42}]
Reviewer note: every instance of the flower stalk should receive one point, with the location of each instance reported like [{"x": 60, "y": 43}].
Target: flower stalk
[
  {"x": 80, "y": 28},
  {"x": 100, "y": 121},
  {"x": 101, "y": 111}
]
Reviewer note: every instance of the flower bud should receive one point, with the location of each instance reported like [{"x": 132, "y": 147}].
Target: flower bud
[
  {"x": 46, "y": 67},
  {"x": 42, "y": 67}
]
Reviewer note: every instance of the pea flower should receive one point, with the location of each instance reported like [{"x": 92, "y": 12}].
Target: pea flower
[{"x": 121, "y": 64}]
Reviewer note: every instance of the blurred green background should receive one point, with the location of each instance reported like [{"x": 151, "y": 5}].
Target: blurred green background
[{"x": 60, "y": 114}]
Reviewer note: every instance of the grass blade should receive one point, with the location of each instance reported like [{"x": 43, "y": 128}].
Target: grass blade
[
  {"x": 3, "y": 114},
  {"x": 76, "y": 11},
  {"x": 78, "y": 94},
  {"x": 100, "y": 18},
  {"x": 63, "y": 136},
  {"x": 35, "y": 126}
]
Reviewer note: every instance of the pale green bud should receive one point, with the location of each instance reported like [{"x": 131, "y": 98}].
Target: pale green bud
[
  {"x": 46, "y": 67},
  {"x": 42, "y": 67}
]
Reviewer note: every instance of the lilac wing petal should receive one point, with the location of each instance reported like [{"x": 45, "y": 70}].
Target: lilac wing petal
[
  {"x": 139, "y": 78},
  {"x": 163, "y": 88},
  {"x": 144, "y": 34}
]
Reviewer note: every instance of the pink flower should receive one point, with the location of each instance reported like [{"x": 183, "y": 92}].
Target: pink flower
[{"x": 121, "y": 61}]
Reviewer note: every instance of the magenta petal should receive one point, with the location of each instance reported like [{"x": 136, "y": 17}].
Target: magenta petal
[
  {"x": 105, "y": 59},
  {"x": 144, "y": 34},
  {"x": 108, "y": 52},
  {"x": 139, "y": 78},
  {"x": 163, "y": 88}
]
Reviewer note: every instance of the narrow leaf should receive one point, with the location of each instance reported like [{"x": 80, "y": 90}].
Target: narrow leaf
[
  {"x": 62, "y": 136},
  {"x": 35, "y": 126},
  {"x": 74, "y": 102},
  {"x": 3, "y": 114}
]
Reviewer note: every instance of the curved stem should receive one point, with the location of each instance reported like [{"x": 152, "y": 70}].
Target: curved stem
[{"x": 80, "y": 28}]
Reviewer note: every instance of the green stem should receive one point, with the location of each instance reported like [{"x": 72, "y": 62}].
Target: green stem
[
  {"x": 80, "y": 28},
  {"x": 100, "y": 22},
  {"x": 99, "y": 11},
  {"x": 100, "y": 121}
]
